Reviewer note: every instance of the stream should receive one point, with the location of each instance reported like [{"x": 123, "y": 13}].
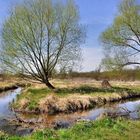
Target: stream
[
  {"x": 61, "y": 120},
  {"x": 6, "y": 114}
]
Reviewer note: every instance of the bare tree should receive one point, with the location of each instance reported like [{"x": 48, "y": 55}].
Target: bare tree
[{"x": 39, "y": 36}]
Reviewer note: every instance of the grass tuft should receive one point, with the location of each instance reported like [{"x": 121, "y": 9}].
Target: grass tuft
[{"x": 106, "y": 129}]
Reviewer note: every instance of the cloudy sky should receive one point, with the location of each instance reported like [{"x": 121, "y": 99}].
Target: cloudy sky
[{"x": 96, "y": 15}]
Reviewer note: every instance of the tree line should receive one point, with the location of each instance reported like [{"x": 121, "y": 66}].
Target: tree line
[{"x": 43, "y": 36}]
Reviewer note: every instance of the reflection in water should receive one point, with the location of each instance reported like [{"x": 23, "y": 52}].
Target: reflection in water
[
  {"x": 6, "y": 114},
  {"x": 48, "y": 120},
  {"x": 5, "y": 99},
  {"x": 93, "y": 114},
  {"x": 131, "y": 106}
]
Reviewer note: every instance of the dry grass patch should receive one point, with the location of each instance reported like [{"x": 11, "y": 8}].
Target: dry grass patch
[
  {"x": 53, "y": 104},
  {"x": 73, "y": 98}
]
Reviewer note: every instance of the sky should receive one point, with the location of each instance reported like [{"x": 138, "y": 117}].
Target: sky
[{"x": 96, "y": 15}]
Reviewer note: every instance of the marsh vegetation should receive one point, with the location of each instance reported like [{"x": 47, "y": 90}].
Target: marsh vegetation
[{"x": 43, "y": 92}]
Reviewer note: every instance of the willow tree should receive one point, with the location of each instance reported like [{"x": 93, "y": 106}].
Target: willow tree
[
  {"x": 41, "y": 35},
  {"x": 122, "y": 39}
]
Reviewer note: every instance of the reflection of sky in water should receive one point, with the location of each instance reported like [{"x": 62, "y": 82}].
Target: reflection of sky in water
[
  {"x": 5, "y": 99},
  {"x": 130, "y": 105},
  {"x": 94, "y": 113}
]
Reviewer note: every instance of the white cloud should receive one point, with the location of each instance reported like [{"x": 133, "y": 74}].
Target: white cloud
[{"x": 91, "y": 58}]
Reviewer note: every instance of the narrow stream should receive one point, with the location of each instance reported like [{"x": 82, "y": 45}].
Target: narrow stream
[
  {"x": 5, "y": 99},
  {"x": 118, "y": 107},
  {"x": 6, "y": 114},
  {"x": 68, "y": 119}
]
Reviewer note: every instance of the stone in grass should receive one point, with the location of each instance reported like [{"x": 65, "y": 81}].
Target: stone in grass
[
  {"x": 61, "y": 124},
  {"x": 24, "y": 131}
]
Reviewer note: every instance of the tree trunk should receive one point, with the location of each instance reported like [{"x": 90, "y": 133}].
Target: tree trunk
[
  {"x": 49, "y": 85},
  {"x": 106, "y": 84}
]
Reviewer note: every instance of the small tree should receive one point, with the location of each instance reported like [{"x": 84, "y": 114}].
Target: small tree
[
  {"x": 39, "y": 36},
  {"x": 122, "y": 39}
]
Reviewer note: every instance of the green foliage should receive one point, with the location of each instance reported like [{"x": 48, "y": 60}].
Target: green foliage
[
  {"x": 40, "y": 36},
  {"x": 122, "y": 39}
]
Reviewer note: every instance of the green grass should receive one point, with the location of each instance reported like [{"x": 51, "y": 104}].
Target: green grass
[
  {"x": 106, "y": 129},
  {"x": 90, "y": 90},
  {"x": 41, "y": 93},
  {"x": 35, "y": 95}
]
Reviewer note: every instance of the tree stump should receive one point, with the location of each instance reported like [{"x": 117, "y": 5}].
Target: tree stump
[{"x": 106, "y": 84}]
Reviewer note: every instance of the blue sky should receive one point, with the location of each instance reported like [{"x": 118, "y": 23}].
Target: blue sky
[{"x": 96, "y": 15}]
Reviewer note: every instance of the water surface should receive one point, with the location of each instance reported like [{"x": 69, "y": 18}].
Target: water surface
[
  {"x": 118, "y": 107},
  {"x": 5, "y": 99},
  {"x": 49, "y": 120}
]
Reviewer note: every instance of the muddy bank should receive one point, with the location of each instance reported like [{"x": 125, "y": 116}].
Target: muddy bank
[
  {"x": 53, "y": 104},
  {"x": 13, "y": 128}
]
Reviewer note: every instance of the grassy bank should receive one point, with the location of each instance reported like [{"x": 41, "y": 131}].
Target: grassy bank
[
  {"x": 5, "y": 86},
  {"x": 70, "y": 99},
  {"x": 12, "y": 82},
  {"x": 9, "y": 87},
  {"x": 106, "y": 129}
]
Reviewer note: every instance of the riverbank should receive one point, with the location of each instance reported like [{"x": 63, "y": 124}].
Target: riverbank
[
  {"x": 9, "y": 87},
  {"x": 71, "y": 99},
  {"x": 12, "y": 84},
  {"x": 105, "y": 129}
]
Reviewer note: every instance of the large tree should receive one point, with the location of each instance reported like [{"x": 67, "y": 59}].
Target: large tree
[
  {"x": 122, "y": 39},
  {"x": 40, "y": 36}
]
